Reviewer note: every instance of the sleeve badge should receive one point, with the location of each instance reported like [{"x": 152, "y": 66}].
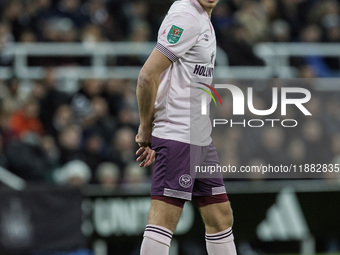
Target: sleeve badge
[{"x": 174, "y": 34}]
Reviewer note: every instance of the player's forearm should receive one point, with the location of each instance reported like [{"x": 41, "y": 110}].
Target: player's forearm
[{"x": 147, "y": 86}]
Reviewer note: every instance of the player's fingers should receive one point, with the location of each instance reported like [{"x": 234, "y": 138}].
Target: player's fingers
[
  {"x": 147, "y": 161},
  {"x": 140, "y": 150},
  {"x": 142, "y": 157},
  {"x": 146, "y": 158},
  {"x": 150, "y": 158},
  {"x": 142, "y": 164},
  {"x": 146, "y": 164}
]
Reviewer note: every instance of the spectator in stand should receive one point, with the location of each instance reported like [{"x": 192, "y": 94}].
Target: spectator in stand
[
  {"x": 27, "y": 119},
  {"x": 6, "y": 39},
  {"x": 60, "y": 29},
  {"x": 49, "y": 146},
  {"x": 307, "y": 71},
  {"x": 297, "y": 151},
  {"x": 128, "y": 115},
  {"x": 322, "y": 11},
  {"x": 69, "y": 141},
  {"x": 92, "y": 34},
  {"x": 294, "y": 12},
  {"x": 27, "y": 159},
  {"x": 5, "y": 34},
  {"x": 97, "y": 12},
  {"x": 100, "y": 121},
  {"x": 273, "y": 139},
  {"x": 5, "y": 131},
  {"x": 255, "y": 176},
  {"x": 123, "y": 147},
  {"x": 271, "y": 9},
  {"x": 280, "y": 31},
  {"x": 114, "y": 96},
  {"x": 71, "y": 9},
  {"x": 3, "y": 91},
  {"x": 331, "y": 114},
  {"x": 12, "y": 12},
  {"x": 222, "y": 18},
  {"x": 94, "y": 151},
  {"x": 81, "y": 101},
  {"x": 312, "y": 34},
  {"x": 3, "y": 158},
  {"x": 62, "y": 118},
  {"x": 315, "y": 138},
  {"x": 38, "y": 90},
  {"x": 108, "y": 175},
  {"x": 51, "y": 99},
  {"x": 14, "y": 98},
  {"x": 28, "y": 36},
  {"x": 73, "y": 173},
  {"x": 134, "y": 175},
  {"x": 331, "y": 26},
  {"x": 253, "y": 19},
  {"x": 335, "y": 145},
  {"x": 234, "y": 42},
  {"x": 137, "y": 11},
  {"x": 140, "y": 32}
]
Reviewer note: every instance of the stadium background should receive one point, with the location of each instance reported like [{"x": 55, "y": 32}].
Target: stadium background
[{"x": 68, "y": 112}]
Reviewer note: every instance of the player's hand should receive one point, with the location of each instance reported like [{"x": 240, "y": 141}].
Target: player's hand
[
  {"x": 146, "y": 156},
  {"x": 143, "y": 138}
]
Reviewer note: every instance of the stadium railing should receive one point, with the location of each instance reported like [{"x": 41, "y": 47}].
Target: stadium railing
[
  {"x": 275, "y": 55},
  {"x": 11, "y": 180}
]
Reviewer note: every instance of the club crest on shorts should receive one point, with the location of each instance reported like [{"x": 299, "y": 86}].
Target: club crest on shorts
[
  {"x": 174, "y": 34},
  {"x": 185, "y": 181}
]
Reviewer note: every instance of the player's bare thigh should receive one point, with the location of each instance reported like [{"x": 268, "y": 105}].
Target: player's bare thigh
[
  {"x": 164, "y": 214},
  {"x": 217, "y": 217}
]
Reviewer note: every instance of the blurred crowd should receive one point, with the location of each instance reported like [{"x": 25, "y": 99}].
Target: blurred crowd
[
  {"x": 88, "y": 136},
  {"x": 239, "y": 25},
  {"x": 315, "y": 140},
  {"x": 83, "y": 137}
]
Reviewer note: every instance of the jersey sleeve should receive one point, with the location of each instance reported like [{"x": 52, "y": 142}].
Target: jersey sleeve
[{"x": 177, "y": 34}]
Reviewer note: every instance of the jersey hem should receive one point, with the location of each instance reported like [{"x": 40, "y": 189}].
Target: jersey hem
[{"x": 182, "y": 140}]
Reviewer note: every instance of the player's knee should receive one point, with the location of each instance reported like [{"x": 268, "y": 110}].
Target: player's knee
[
  {"x": 165, "y": 212},
  {"x": 229, "y": 216},
  {"x": 224, "y": 217},
  {"x": 217, "y": 217}
]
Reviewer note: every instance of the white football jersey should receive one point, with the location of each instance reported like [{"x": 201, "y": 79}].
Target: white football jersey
[{"x": 187, "y": 38}]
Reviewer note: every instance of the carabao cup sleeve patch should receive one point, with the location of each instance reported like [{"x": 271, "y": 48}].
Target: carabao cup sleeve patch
[
  {"x": 178, "y": 34},
  {"x": 174, "y": 34}
]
